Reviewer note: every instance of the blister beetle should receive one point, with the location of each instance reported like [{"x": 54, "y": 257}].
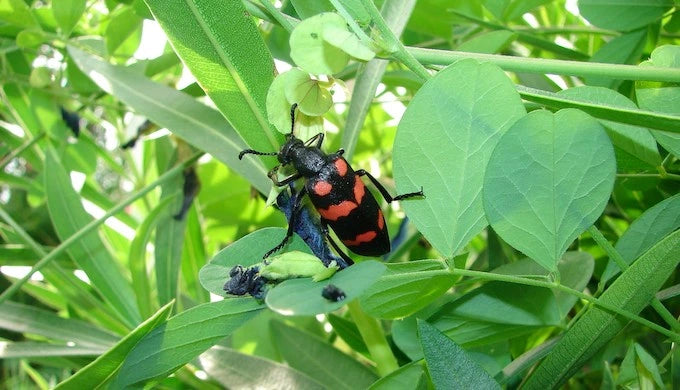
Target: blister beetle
[{"x": 337, "y": 193}]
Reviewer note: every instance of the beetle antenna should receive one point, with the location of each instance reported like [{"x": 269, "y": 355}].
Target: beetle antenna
[
  {"x": 251, "y": 151},
  {"x": 292, "y": 117}
]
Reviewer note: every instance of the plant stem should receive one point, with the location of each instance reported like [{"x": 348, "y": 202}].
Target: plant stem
[
  {"x": 375, "y": 340},
  {"x": 276, "y": 14},
  {"x": 559, "y": 287},
  {"x": 16, "y": 152},
  {"x": 90, "y": 226},
  {"x": 543, "y": 66},
  {"x": 394, "y": 45},
  {"x": 623, "y": 265}
]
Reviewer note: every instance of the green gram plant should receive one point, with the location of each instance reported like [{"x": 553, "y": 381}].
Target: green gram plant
[{"x": 544, "y": 255}]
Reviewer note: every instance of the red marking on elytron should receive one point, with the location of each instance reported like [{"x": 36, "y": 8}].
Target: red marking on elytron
[
  {"x": 322, "y": 188},
  {"x": 361, "y": 238},
  {"x": 359, "y": 189},
  {"x": 381, "y": 220},
  {"x": 334, "y": 212},
  {"x": 341, "y": 166}
]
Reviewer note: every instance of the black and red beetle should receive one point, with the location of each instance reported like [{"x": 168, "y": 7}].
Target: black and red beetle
[{"x": 337, "y": 193}]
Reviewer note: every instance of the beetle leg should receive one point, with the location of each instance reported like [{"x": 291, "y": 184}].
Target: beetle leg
[
  {"x": 291, "y": 222},
  {"x": 383, "y": 190},
  {"x": 272, "y": 176},
  {"x": 317, "y": 138},
  {"x": 343, "y": 255}
]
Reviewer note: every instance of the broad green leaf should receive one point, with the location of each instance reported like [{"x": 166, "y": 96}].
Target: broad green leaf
[
  {"x": 443, "y": 144},
  {"x": 195, "y": 122},
  {"x": 219, "y": 42},
  {"x": 31, "y": 38},
  {"x": 320, "y": 360},
  {"x": 246, "y": 251},
  {"x": 30, "y": 349},
  {"x": 548, "y": 180},
  {"x": 402, "y": 291},
  {"x": 182, "y": 338},
  {"x": 302, "y": 297},
  {"x": 491, "y": 42},
  {"x": 28, "y": 319},
  {"x": 648, "y": 229},
  {"x": 450, "y": 367},
  {"x": 410, "y": 376},
  {"x": 623, "y": 15},
  {"x": 67, "y": 13},
  {"x": 669, "y": 123},
  {"x": 102, "y": 369},
  {"x": 311, "y": 52},
  {"x": 312, "y": 98},
  {"x": 308, "y": 8},
  {"x": 137, "y": 258},
  {"x": 348, "y": 332},
  {"x": 661, "y": 97},
  {"x": 347, "y": 41},
  {"x": 237, "y": 370},
  {"x": 632, "y": 291},
  {"x": 90, "y": 253},
  {"x": 634, "y": 146},
  {"x": 17, "y": 13}
]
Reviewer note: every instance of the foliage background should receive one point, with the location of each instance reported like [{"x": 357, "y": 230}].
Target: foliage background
[{"x": 122, "y": 297}]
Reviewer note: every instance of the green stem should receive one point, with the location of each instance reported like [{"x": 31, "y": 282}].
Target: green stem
[
  {"x": 668, "y": 176},
  {"x": 543, "y": 66},
  {"x": 17, "y": 152},
  {"x": 394, "y": 45},
  {"x": 559, "y": 287},
  {"x": 278, "y": 15},
  {"x": 91, "y": 226},
  {"x": 345, "y": 13},
  {"x": 623, "y": 265},
  {"x": 375, "y": 340}
]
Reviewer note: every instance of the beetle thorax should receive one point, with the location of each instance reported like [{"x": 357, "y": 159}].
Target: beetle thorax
[{"x": 307, "y": 160}]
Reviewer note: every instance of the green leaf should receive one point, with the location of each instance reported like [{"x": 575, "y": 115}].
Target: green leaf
[
  {"x": 491, "y": 42},
  {"x": 347, "y": 41},
  {"x": 102, "y": 369},
  {"x": 312, "y": 99},
  {"x": 410, "y": 376},
  {"x": 182, "y": 338},
  {"x": 660, "y": 97},
  {"x": 450, "y": 367},
  {"x": 90, "y": 253},
  {"x": 632, "y": 292},
  {"x": 308, "y": 8},
  {"x": 623, "y": 15},
  {"x": 125, "y": 24},
  {"x": 27, "y": 319},
  {"x": 624, "y": 49},
  {"x": 314, "y": 357},
  {"x": 237, "y": 370},
  {"x": 219, "y": 42},
  {"x": 669, "y": 123},
  {"x": 311, "y": 52},
  {"x": 548, "y": 180},
  {"x": 195, "y": 122},
  {"x": 648, "y": 229},
  {"x": 449, "y": 158},
  {"x": 246, "y": 251},
  {"x": 402, "y": 290},
  {"x": 303, "y": 296},
  {"x": 634, "y": 146},
  {"x": 137, "y": 258},
  {"x": 194, "y": 256},
  {"x": 169, "y": 242},
  {"x": 29, "y": 349},
  {"x": 17, "y": 13},
  {"x": 67, "y": 13},
  {"x": 648, "y": 367},
  {"x": 348, "y": 332}
]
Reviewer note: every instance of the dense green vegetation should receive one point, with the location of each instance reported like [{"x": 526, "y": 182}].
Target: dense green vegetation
[{"x": 544, "y": 134}]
